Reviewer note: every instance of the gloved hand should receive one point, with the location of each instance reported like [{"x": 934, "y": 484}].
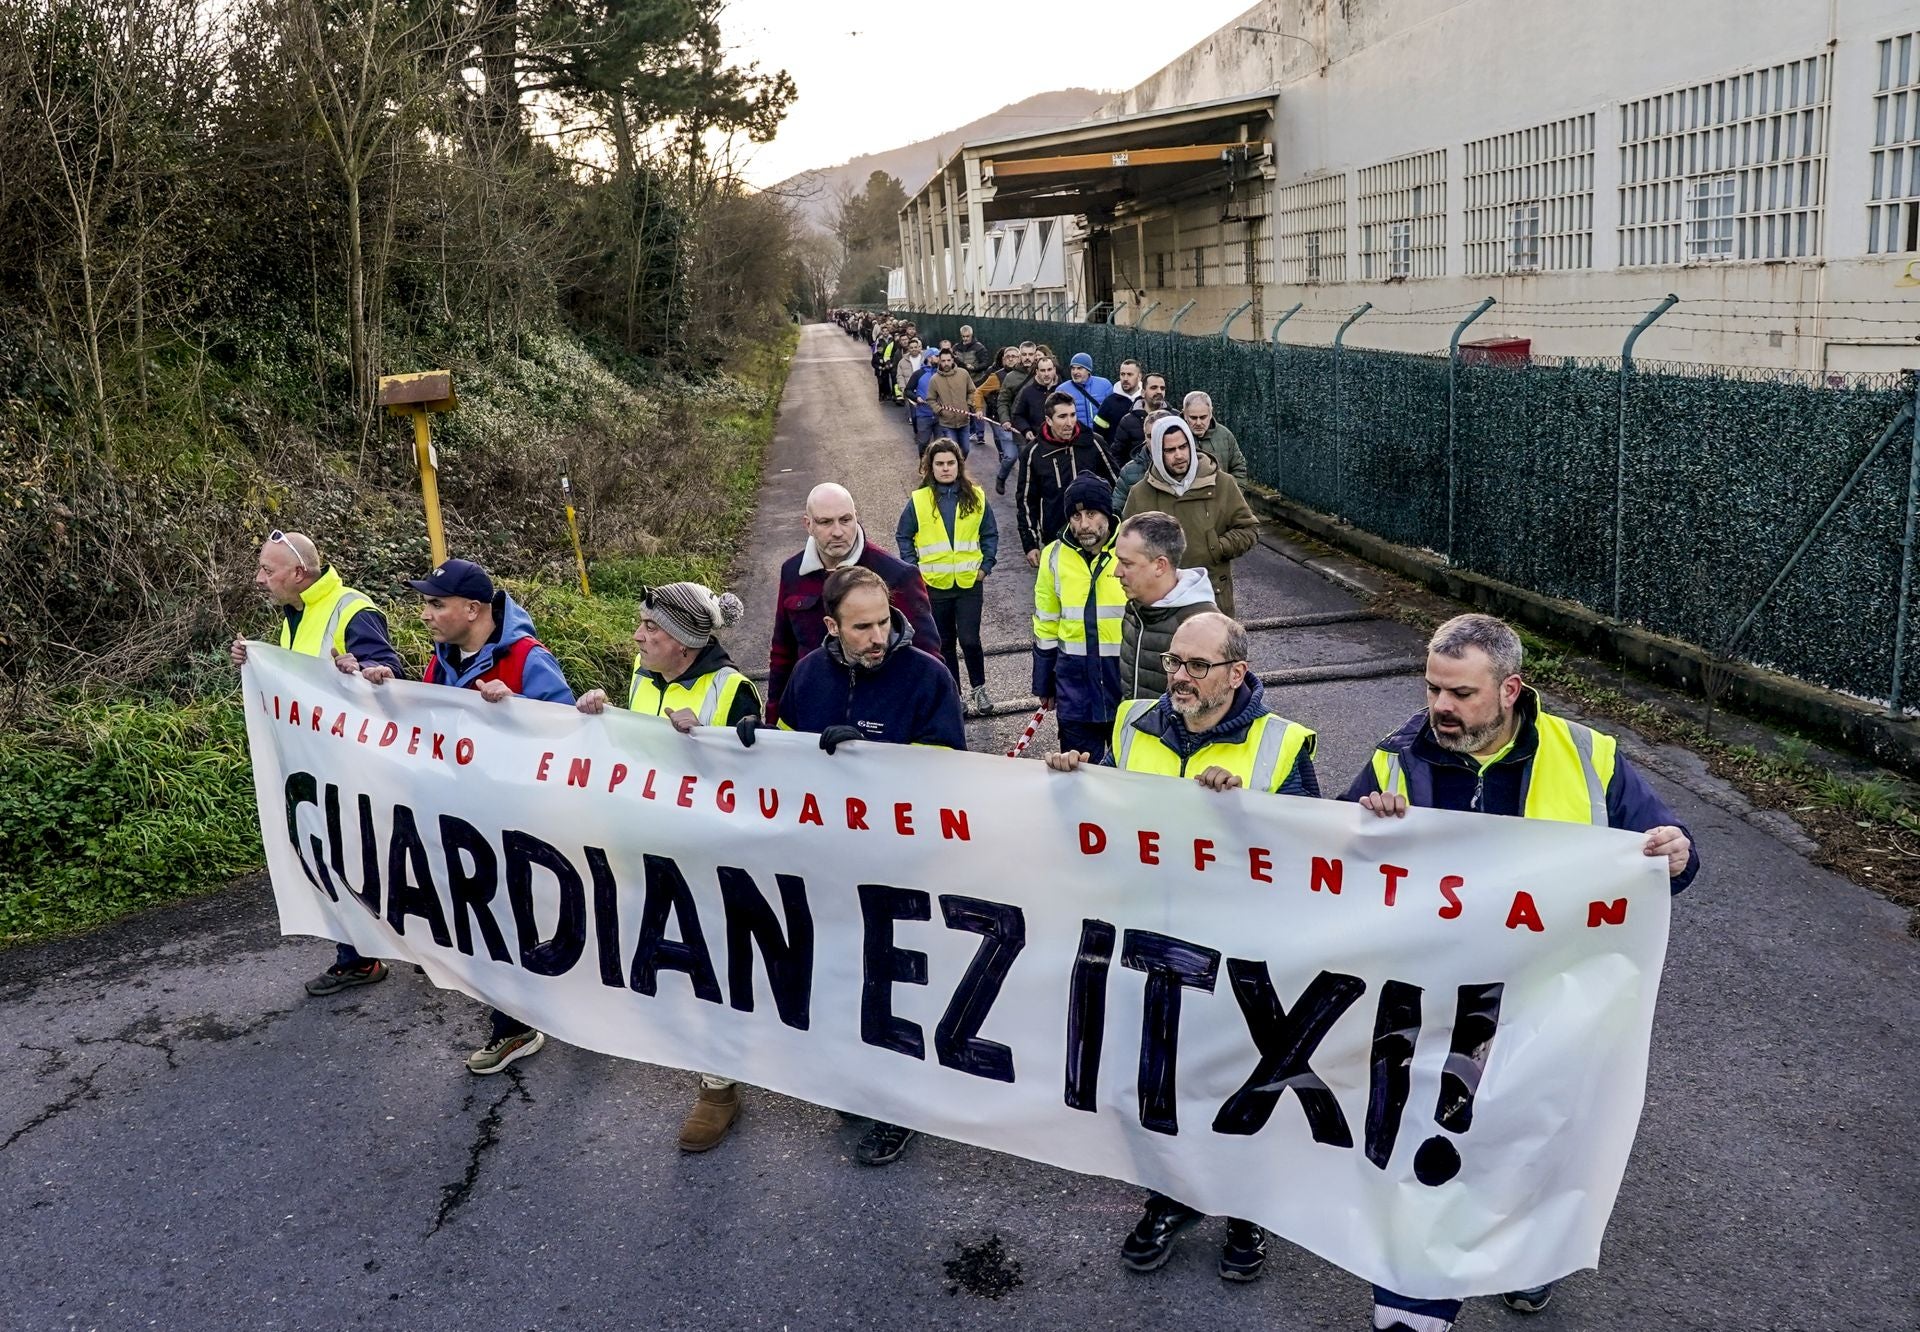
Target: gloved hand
[
  {"x": 837, "y": 735},
  {"x": 746, "y": 727}
]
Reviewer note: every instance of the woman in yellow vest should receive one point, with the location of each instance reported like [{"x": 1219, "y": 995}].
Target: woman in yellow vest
[
  {"x": 683, "y": 675},
  {"x": 948, "y": 530}
]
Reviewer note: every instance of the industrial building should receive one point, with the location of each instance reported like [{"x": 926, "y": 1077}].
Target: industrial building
[{"x": 1759, "y": 159}]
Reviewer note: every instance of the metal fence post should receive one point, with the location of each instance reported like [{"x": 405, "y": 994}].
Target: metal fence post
[
  {"x": 1141, "y": 322},
  {"x": 1620, "y": 446},
  {"x": 1339, "y": 405},
  {"x": 1181, "y": 313},
  {"x": 1275, "y": 335},
  {"x": 1240, "y": 310},
  {"x": 1453, "y": 367},
  {"x": 1906, "y": 560}
]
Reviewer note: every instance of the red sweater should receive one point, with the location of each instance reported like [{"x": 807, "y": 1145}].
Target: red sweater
[{"x": 799, "y": 623}]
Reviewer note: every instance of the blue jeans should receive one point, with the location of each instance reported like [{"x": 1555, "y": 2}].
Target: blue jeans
[
  {"x": 1009, "y": 446},
  {"x": 922, "y": 432},
  {"x": 958, "y": 434}
]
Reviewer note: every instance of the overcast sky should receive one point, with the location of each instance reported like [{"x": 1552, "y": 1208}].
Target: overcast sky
[{"x": 844, "y": 57}]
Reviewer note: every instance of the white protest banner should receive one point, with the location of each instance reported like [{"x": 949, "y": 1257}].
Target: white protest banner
[{"x": 1417, "y": 1047}]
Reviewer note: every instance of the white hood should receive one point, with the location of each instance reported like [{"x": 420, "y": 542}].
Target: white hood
[{"x": 1191, "y": 588}]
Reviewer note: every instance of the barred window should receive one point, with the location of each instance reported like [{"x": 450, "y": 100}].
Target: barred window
[
  {"x": 1530, "y": 198},
  {"x": 1403, "y": 217},
  {"x": 1893, "y": 215},
  {"x": 1312, "y": 227},
  {"x": 1732, "y": 169},
  {"x": 1199, "y": 265}
]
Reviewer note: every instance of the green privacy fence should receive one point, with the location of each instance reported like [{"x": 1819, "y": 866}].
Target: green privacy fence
[{"x": 1769, "y": 516}]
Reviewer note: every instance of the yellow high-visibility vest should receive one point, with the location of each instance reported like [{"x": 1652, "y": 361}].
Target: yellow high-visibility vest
[
  {"x": 709, "y": 696},
  {"x": 947, "y": 559},
  {"x": 1566, "y": 782},
  {"x": 1060, "y": 595},
  {"x": 1263, "y": 761},
  {"x": 326, "y": 607}
]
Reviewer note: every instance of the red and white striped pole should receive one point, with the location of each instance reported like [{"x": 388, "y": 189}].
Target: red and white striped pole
[{"x": 1026, "y": 736}]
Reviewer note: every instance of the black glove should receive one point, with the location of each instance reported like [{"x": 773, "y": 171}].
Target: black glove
[
  {"x": 745, "y": 728},
  {"x": 838, "y": 735}
]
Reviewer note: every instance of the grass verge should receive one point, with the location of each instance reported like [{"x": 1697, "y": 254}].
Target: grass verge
[{"x": 112, "y": 804}]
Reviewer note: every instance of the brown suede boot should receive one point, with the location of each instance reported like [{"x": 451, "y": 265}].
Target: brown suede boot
[{"x": 712, "y": 1115}]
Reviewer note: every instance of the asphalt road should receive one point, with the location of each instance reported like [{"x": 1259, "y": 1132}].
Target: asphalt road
[{"x": 187, "y": 1141}]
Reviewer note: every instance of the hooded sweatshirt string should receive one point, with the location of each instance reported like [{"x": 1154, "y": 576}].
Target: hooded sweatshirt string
[{"x": 1156, "y": 448}]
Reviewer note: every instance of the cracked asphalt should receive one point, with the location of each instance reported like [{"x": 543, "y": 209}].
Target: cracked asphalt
[{"x": 188, "y": 1141}]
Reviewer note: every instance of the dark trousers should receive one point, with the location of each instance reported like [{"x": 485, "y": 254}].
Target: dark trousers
[
  {"x": 346, "y": 955},
  {"x": 1090, "y": 737},
  {"x": 956, "y": 614},
  {"x": 501, "y": 1025},
  {"x": 1447, "y": 1309}
]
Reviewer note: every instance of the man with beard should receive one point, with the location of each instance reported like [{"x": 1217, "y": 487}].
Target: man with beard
[
  {"x": 1203, "y": 499},
  {"x": 1029, "y": 410},
  {"x": 1077, "y": 604},
  {"x": 1126, "y": 392},
  {"x": 1062, "y": 451},
  {"x": 1127, "y": 441},
  {"x": 1484, "y": 744},
  {"x": 867, "y": 683},
  {"x": 1212, "y": 725}
]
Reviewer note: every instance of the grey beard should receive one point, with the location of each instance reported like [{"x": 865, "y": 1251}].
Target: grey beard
[{"x": 1474, "y": 737}]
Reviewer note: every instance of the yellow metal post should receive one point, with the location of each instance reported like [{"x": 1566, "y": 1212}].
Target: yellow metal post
[
  {"x": 573, "y": 526},
  {"x": 429, "y": 484},
  {"x": 418, "y": 395}
]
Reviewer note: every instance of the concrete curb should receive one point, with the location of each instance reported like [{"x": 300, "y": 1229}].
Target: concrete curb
[{"x": 1869, "y": 730}]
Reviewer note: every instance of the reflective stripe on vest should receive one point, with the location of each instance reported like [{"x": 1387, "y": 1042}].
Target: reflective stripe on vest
[
  {"x": 709, "y": 696},
  {"x": 947, "y": 559},
  {"x": 1263, "y": 761},
  {"x": 326, "y": 608},
  {"x": 1566, "y": 781},
  {"x": 1067, "y": 628}
]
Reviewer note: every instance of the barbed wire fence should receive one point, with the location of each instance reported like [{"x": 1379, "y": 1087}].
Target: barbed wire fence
[{"x": 1676, "y": 496}]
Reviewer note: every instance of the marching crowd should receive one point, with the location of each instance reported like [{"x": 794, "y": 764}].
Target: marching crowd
[{"x": 1130, "y": 515}]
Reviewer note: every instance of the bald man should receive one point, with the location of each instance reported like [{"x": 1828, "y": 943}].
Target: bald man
[
  {"x": 323, "y": 617},
  {"x": 835, "y": 539}
]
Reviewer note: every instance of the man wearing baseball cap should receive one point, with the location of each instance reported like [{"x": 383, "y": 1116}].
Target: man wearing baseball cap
[{"x": 483, "y": 640}]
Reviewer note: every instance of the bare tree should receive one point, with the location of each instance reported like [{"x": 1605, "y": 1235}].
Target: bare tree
[{"x": 370, "y": 70}]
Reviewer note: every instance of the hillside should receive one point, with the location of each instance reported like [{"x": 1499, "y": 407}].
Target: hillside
[{"x": 913, "y": 163}]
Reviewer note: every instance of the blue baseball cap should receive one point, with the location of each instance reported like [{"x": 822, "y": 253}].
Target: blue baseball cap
[{"x": 455, "y": 578}]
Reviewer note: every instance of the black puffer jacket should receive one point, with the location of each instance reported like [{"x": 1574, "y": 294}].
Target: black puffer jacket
[{"x": 1147, "y": 631}]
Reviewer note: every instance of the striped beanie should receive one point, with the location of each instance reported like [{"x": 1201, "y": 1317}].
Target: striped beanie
[{"x": 689, "y": 611}]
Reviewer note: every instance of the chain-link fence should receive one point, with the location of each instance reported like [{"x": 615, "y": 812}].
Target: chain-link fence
[{"x": 1767, "y": 515}]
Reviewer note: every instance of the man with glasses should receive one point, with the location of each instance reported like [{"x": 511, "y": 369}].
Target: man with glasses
[
  {"x": 1212, "y": 725},
  {"x": 320, "y": 616}
]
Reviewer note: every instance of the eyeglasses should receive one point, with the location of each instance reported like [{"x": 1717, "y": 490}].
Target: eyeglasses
[
  {"x": 277, "y": 535},
  {"x": 1195, "y": 667}
]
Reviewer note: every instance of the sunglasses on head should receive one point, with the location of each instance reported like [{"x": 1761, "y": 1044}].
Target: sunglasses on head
[{"x": 276, "y": 535}]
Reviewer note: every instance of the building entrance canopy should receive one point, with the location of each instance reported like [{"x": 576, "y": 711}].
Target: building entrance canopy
[{"x": 1096, "y": 170}]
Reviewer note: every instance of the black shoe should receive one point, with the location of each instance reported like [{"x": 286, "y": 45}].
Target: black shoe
[
  {"x": 882, "y": 1145},
  {"x": 335, "y": 979},
  {"x": 1151, "y": 1243},
  {"x": 1244, "y": 1252},
  {"x": 1528, "y": 1301},
  {"x": 999, "y": 485}
]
